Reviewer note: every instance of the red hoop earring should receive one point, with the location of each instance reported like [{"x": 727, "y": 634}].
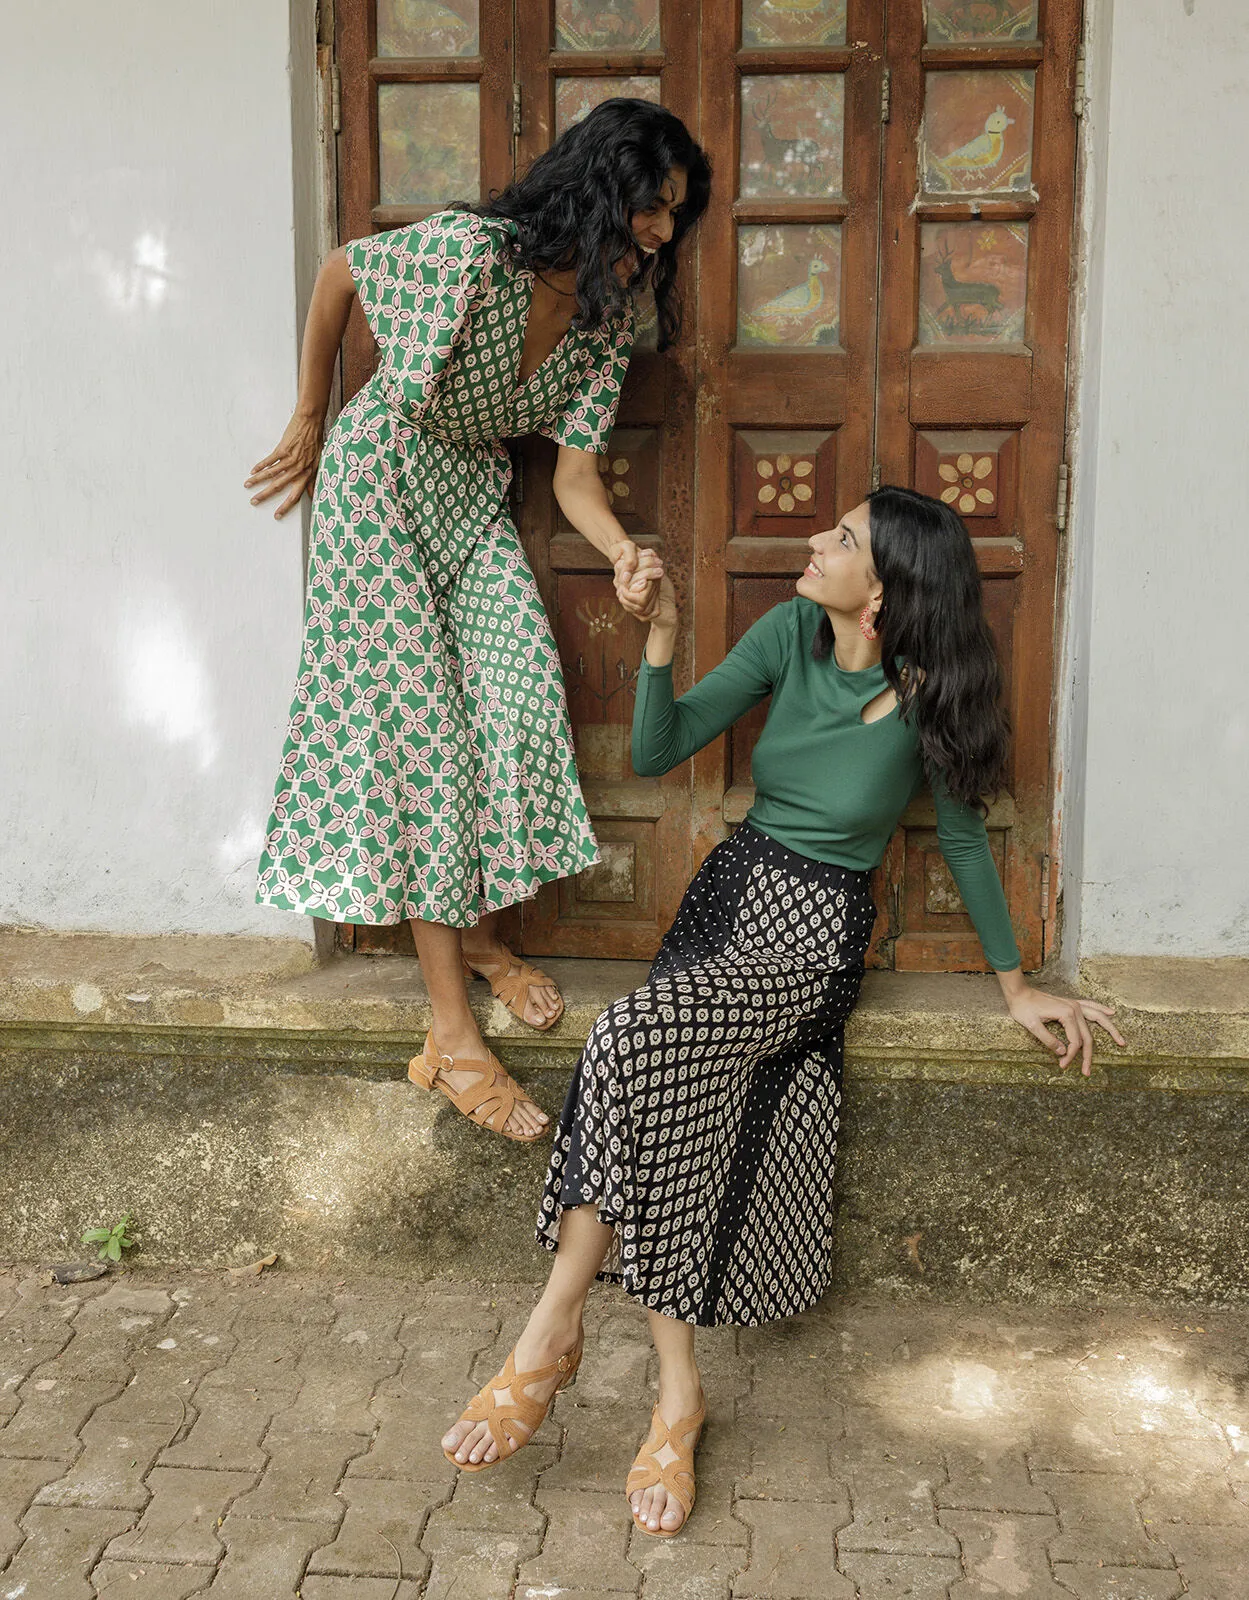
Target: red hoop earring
[{"x": 866, "y": 618}]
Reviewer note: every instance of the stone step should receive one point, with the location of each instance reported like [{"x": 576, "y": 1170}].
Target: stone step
[{"x": 239, "y": 1098}]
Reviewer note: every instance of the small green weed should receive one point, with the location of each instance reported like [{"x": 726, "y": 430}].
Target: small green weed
[{"x": 112, "y": 1241}]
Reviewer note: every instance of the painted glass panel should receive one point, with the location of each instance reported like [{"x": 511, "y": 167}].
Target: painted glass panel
[
  {"x": 574, "y": 97},
  {"x": 427, "y": 27},
  {"x": 769, "y": 24},
  {"x": 973, "y": 279},
  {"x": 595, "y": 25},
  {"x": 428, "y": 143},
  {"x": 977, "y": 133},
  {"x": 979, "y": 21},
  {"x": 793, "y": 129},
  {"x": 788, "y": 285}
]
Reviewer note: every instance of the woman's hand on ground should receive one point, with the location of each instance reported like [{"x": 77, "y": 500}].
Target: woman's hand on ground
[
  {"x": 636, "y": 574},
  {"x": 1033, "y": 1008},
  {"x": 292, "y": 465}
]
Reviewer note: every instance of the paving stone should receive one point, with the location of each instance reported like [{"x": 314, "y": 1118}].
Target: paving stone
[
  {"x": 180, "y": 1523},
  {"x": 227, "y": 1430},
  {"x": 378, "y": 1511},
  {"x": 111, "y": 1468},
  {"x": 339, "y": 1588},
  {"x": 1213, "y": 1561},
  {"x": 305, "y": 1468},
  {"x": 495, "y": 1502},
  {"x": 792, "y": 1553},
  {"x": 1193, "y": 1498},
  {"x": 476, "y": 1575},
  {"x": 145, "y": 1580},
  {"x": 20, "y": 1481},
  {"x": 892, "y": 1489},
  {"x": 676, "y": 1569},
  {"x": 121, "y": 1302},
  {"x": 892, "y": 1577},
  {"x": 336, "y": 1394},
  {"x": 1100, "y": 1521},
  {"x": 600, "y": 1443},
  {"x": 47, "y": 1422},
  {"x": 1003, "y": 1555},
  {"x": 407, "y": 1442},
  {"x": 1118, "y": 1583},
  {"x": 62, "y": 1545},
  {"x": 264, "y": 1556},
  {"x": 791, "y": 1459},
  {"x": 586, "y": 1539},
  {"x": 991, "y": 1478}
]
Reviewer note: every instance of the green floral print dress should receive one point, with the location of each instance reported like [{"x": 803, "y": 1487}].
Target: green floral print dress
[{"x": 429, "y": 768}]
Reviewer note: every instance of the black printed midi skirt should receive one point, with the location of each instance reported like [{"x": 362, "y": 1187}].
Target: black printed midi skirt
[{"x": 702, "y": 1119}]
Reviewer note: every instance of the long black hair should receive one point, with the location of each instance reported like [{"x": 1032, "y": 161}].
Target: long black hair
[
  {"x": 936, "y": 647},
  {"x": 575, "y": 204}
]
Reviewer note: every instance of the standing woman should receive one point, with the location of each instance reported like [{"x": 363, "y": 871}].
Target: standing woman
[
  {"x": 694, "y": 1159},
  {"x": 429, "y": 771}
]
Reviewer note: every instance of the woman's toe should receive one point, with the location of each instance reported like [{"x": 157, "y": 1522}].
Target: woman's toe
[{"x": 672, "y": 1516}]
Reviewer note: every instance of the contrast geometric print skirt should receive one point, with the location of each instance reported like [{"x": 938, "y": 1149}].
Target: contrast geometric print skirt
[{"x": 702, "y": 1119}]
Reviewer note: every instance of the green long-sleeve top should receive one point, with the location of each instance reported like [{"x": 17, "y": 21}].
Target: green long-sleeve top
[{"x": 827, "y": 784}]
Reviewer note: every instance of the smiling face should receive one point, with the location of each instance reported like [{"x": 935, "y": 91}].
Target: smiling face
[
  {"x": 654, "y": 228},
  {"x": 840, "y": 575}
]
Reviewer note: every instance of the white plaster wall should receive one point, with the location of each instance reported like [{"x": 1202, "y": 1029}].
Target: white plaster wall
[
  {"x": 1158, "y": 724},
  {"x": 150, "y": 616}
]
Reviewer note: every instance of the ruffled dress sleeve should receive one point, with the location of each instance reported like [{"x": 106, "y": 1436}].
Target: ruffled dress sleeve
[
  {"x": 590, "y": 411},
  {"x": 418, "y": 287}
]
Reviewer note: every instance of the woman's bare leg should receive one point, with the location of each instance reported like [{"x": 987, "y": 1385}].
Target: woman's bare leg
[
  {"x": 680, "y": 1395},
  {"x": 483, "y": 945},
  {"x": 554, "y": 1325},
  {"x": 455, "y": 1028}
]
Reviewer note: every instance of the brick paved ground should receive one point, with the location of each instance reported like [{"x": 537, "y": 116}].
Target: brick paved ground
[{"x": 167, "y": 1435}]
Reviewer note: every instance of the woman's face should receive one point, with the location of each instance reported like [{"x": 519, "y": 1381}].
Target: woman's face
[
  {"x": 652, "y": 229},
  {"x": 840, "y": 576}
]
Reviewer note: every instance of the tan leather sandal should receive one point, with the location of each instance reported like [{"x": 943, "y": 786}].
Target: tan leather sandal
[
  {"x": 512, "y": 988},
  {"x": 667, "y": 1459},
  {"x": 519, "y": 1407},
  {"x": 489, "y": 1102}
]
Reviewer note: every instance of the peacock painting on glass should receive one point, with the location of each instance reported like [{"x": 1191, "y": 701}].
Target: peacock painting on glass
[
  {"x": 977, "y": 132},
  {"x": 427, "y": 27},
  {"x": 793, "y": 130},
  {"x": 773, "y": 24},
  {"x": 788, "y": 285},
  {"x": 973, "y": 280}
]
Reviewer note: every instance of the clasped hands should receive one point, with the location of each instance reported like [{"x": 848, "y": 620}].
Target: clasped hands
[{"x": 637, "y": 574}]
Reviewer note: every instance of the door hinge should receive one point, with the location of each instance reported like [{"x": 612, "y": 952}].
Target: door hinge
[
  {"x": 1060, "y": 505},
  {"x": 1079, "y": 97},
  {"x": 1045, "y": 887},
  {"x": 336, "y": 99},
  {"x": 885, "y": 91},
  {"x": 875, "y": 476},
  {"x": 516, "y": 111}
]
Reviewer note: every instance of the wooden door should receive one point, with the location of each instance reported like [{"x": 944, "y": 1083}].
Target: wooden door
[
  {"x": 571, "y": 54},
  {"x": 879, "y": 290},
  {"x": 971, "y": 394}
]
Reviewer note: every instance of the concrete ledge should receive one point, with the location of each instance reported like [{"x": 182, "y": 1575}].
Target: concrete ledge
[
  {"x": 1187, "y": 1023},
  {"x": 239, "y": 1100}
]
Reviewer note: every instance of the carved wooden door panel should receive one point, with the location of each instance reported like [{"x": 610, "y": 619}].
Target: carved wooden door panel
[
  {"x": 570, "y": 55},
  {"x": 975, "y": 268}
]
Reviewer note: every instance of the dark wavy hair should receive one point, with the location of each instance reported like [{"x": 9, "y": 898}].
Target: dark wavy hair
[
  {"x": 936, "y": 648},
  {"x": 575, "y": 204}
]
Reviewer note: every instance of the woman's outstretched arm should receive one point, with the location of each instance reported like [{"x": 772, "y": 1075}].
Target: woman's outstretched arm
[{"x": 292, "y": 465}]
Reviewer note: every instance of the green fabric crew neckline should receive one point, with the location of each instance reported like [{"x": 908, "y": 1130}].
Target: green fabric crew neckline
[{"x": 827, "y": 784}]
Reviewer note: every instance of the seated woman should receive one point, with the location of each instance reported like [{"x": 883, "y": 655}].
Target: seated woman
[{"x": 694, "y": 1158}]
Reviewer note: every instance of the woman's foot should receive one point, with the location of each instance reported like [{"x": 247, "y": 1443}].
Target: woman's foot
[
  {"x": 655, "y": 1510},
  {"x": 545, "y": 1341},
  {"x": 463, "y": 1042},
  {"x": 490, "y": 958}
]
